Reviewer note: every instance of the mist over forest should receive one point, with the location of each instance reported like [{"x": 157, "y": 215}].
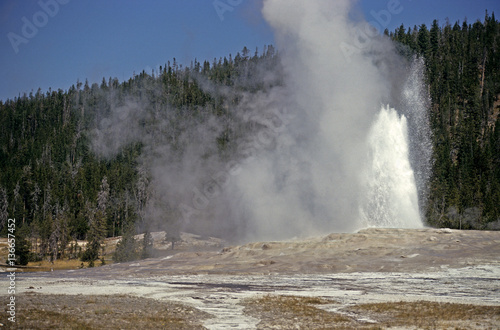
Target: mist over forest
[{"x": 246, "y": 147}]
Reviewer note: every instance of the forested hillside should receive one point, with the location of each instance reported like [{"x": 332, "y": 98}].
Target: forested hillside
[
  {"x": 463, "y": 73},
  {"x": 60, "y": 189}
]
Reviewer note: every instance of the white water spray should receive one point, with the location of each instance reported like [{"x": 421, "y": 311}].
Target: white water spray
[
  {"x": 415, "y": 105},
  {"x": 391, "y": 191}
]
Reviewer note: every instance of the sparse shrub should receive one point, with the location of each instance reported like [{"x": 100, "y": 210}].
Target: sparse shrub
[
  {"x": 91, "y": 253},
  {"x": 147, "y": 245},
  {"x": 126, "y": 249},
  {"x": 172, "y": 236},
  {"x": 23, "y": 251}
]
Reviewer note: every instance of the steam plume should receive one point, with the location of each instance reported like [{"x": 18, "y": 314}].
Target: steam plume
[
  {"x": 304, "y": 161},
  {"x": 314, "y": 179}
]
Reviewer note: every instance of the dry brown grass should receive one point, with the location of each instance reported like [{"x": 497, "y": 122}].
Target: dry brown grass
[
  {"x": 35, "y": 311},
  {"x": 292, "y": 312},
  {"x": 60, "y": 264},
  {"x": 432, "y": 315}
]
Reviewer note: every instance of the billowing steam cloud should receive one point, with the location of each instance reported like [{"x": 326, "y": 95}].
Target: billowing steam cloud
[
  {"x": 322, "y": 152},
  {"x": 323, "y": 173}
]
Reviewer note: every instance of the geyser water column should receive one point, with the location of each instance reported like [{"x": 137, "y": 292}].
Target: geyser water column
[
  {"x": 400, "y": 158},
  {"x": 391, "y": 198}
]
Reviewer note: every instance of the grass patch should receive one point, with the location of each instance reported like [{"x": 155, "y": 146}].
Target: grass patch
[
  {"x": 292, "y": 312},
  {"x": 300, "y": 312},
  {"x": 60, "y": 264},
  {"x": 427, "y": 315},
  {"x": 38, "y": 311},
  {"x": 48, "y": 319}
]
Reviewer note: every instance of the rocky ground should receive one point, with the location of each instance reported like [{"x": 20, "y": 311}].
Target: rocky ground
[{"x": 376, "y": 278}]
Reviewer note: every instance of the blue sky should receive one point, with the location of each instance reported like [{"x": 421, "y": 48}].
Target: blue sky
[{"x": 52, "y": 43}]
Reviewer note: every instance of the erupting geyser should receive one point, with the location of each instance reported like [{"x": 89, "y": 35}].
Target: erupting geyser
[
  {"x": 344, "y": 162},
  {"x": 313, "y": 151},
  {"x": 391, "y": 191}
]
